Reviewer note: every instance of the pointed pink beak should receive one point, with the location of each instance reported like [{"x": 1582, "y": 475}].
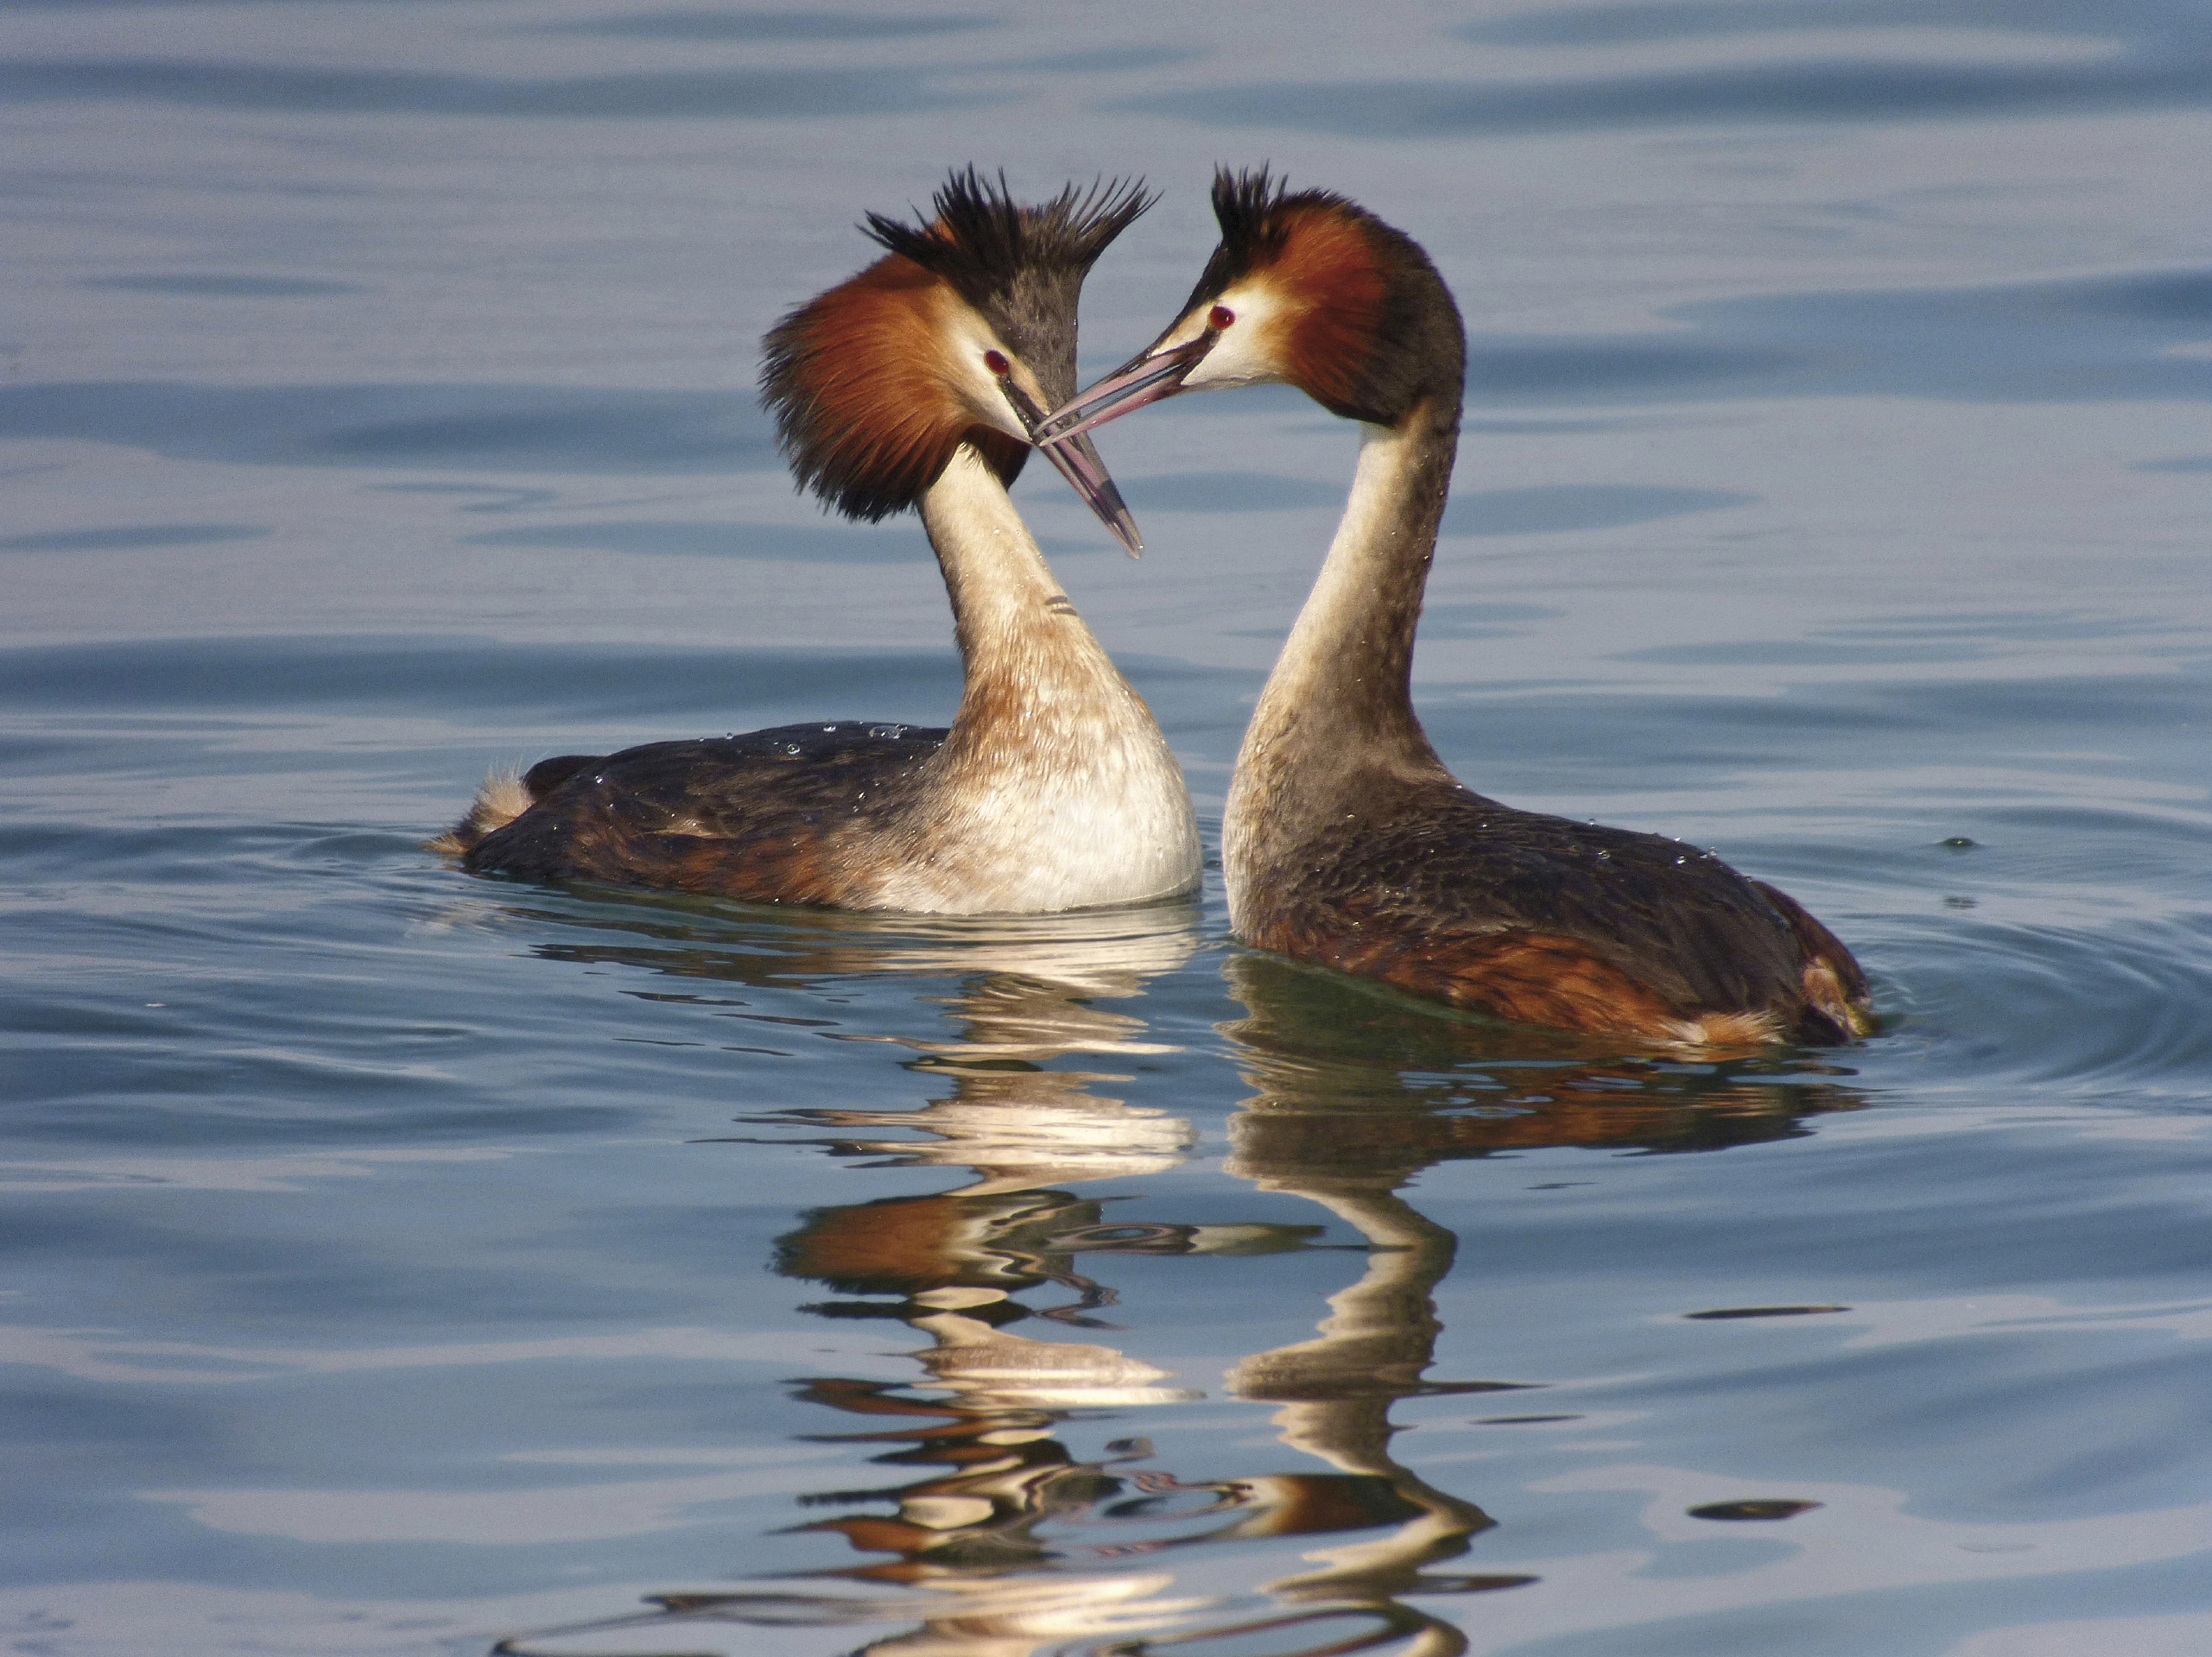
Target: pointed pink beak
[
  {"x": 1077, "y": 460},
  {"x": 1146, "y": 379}
]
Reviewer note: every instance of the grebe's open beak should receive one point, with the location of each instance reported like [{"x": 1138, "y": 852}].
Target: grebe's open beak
[
  {"x": 1077, "y": 460},
  {"x": 1146, "y": 378}
]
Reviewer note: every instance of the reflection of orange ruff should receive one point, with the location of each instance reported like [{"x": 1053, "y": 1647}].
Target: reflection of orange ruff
[
  {"x": 1273, "y": 1504},
  {"x": 988, "y": 1548},
  {"x": 912, "y": 1245},
  {"x": 896, "y": 1247},
  {"x": 934, "y": 1248}
]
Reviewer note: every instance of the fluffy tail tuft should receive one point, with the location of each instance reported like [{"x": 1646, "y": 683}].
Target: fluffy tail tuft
[{"x": 501, "y": 800}]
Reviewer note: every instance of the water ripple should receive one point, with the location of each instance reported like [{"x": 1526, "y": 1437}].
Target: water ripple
[
  {"x": 1555, "y": 507},
  {"x": 122, "y": 537},
  {"x": 755, "y": 26},
  {"x": 835, "y": 543},
  {"x": 779, "y": 94},
  {"x": 514, "y": 427},
  {"x": 2110, "y": 1012},
  {"x": 2150, "y": 22},
  {"x": 1763, "y": 95},
  {"x": 192, "y": 285},
  {"x": 2065, "y": 341},
  {"x": 577, "y": 681}
]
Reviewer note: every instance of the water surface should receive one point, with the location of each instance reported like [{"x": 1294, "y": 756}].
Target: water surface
[{"x": 402, "y": 1262}]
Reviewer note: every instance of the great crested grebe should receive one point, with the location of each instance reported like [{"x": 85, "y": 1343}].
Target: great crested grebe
[
  {"x": 916, "y": 383},
  {"x": 1345, "y": 841}
]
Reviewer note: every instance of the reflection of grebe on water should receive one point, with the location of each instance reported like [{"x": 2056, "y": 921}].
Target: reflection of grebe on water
[
  {"x": 1033, "y": 989},
  {"x": 1354, "y": 1074},
  {"x": 1011, "y": 1543}
]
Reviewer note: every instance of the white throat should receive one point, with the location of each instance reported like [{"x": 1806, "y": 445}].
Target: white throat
[
  {"x": 1301, "y": 712},
  {"x": 1056, "y": 789}
]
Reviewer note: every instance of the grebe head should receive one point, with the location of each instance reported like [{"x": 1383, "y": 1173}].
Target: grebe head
[
  {"x": 1306, "y": 289},
  {"x": 964, "y": 332}
]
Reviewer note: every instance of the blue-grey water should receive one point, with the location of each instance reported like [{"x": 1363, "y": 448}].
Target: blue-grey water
[{"x": 398, "y": 1262}]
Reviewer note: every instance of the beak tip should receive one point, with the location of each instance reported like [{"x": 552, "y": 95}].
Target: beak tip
[{"x": 1077, "y": 458}]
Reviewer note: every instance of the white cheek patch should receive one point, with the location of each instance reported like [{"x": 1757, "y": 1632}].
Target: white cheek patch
[
  {"x": 1250, "y": 350},
  {"x": 977, "y": 387}
]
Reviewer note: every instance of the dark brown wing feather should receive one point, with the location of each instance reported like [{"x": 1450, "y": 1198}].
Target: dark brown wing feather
[
  {"x": 769, "y": 815},
  {"x": 1431, "y": 887}
]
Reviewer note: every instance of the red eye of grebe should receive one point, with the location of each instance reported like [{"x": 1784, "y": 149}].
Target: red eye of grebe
[
  {"x": 1220, "y": 317},
  {"x": 996, "y": 363}
]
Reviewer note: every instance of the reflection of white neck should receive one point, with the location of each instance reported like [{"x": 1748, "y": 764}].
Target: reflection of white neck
[
  {"x": 991, "y": 1369},
  {"x": 1056, "y": 789},
  {"x": 1379, "y": 1337},
  {"x": 1381, "y": 1333}
]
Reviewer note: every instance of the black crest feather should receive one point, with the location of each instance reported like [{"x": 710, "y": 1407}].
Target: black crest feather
[
  {"x": 984, "y": 243},
  {"x": 1021, "y": 268},
  {"x": 1251, "y": 208}
]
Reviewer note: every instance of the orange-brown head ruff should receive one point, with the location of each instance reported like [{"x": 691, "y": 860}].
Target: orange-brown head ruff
[
  {"x": 1362, "y": 322},
  {"x": 1309, "y": 290},
  {"x": 870, "y": 383}
]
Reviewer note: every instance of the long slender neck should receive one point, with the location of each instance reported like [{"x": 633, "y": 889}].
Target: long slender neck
[
  {"x": 1340, "y": 700},
  {"x": 1030, "y": 661},
  {"x": 1055, "y": 789}
]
